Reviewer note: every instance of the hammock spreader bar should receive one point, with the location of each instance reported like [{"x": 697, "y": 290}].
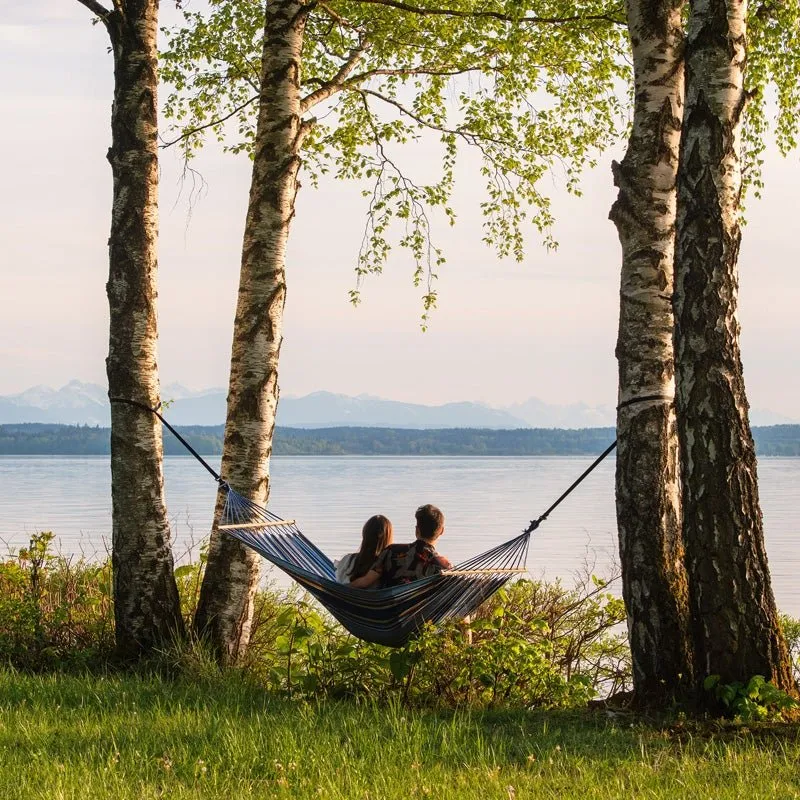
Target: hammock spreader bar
[{"x": 385, "y": 616}]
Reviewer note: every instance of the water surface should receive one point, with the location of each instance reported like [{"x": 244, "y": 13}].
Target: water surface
[{"x": 485, "y": 500}]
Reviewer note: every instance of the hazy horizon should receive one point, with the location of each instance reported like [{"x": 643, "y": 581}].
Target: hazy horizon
[{"x": 86, "y": 403}]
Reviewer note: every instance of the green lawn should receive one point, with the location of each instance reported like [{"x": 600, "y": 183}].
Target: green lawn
[{"x": 127, "y": 737}]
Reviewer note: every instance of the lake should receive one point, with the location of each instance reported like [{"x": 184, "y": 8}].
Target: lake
[{"x": 485, "y": 500}]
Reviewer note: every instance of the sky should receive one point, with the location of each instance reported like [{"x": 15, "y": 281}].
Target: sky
[{"x": 503, "y": 331}]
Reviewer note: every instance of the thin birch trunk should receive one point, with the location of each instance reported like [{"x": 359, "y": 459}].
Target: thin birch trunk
[
  {"x": 225, "y": 607},
  {"x": 146, "y": 605},
  {"x": 735, "y": 628},
  {"x": 647, "y": 477}
]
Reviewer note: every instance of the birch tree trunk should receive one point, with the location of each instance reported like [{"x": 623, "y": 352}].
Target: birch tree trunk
[
  {"x": 146, "y": 605},
  {"x": 735, "y": 627},
  {"x": 647, "y": 479},
  {"x": 225, "y": 607}
]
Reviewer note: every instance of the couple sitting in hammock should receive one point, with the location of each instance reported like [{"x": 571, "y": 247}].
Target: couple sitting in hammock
[{"x": 380, "y": 564}]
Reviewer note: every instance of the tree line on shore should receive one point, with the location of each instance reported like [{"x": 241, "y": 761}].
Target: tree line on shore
[
  {"x": 338, "y": 87},
  {"x": 52, "y": 439}
]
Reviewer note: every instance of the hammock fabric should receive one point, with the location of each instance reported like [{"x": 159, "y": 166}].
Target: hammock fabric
[{"x": 384, "y": 616}]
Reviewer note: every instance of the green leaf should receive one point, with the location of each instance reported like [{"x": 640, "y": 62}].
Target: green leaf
[
  {"x": 710, "y": 682},
  {"x": 185, "y": 571},
  {"x": 400, "y": 664}
]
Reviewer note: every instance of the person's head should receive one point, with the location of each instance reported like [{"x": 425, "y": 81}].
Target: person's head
[
  {"x": 376, "y": 535},
  {"x": 430, "y": 523}
]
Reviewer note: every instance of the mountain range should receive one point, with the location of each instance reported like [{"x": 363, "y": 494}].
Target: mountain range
[{"x": 80, "y": 403}]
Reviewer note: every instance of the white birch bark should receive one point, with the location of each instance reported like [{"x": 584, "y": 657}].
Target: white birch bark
[
  {"x": 146, "y": 604},
  {"x": 735, "y": 627},
  {"x": 225, "y": 607},
  {"x": 647, "y": 477}
]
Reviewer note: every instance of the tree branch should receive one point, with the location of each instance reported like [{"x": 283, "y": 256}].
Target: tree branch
[
  {"x": 498, "y": 15},
  {"x": 403, "y": 110},
  {"x": 482, "y": 142},
  {"x": 330, "y": 87},
  {"x": 409, "y": 70},
  {"x": 338, "y": 18},
  {"x": 467, "y": 136},
  {"x": 96, "y": 8},
  {"x": 417, "y": 218},
  {"x": 213, "y": 123}
]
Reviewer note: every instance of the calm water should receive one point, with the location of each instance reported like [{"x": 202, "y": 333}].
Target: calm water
[{"x": 485, "y": 500}]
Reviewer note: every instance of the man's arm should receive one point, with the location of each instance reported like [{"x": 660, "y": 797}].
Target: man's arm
[{"x": 366, "y": 581}]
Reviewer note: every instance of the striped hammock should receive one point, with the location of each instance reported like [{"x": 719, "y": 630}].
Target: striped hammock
[{"x": 384, "y": 616}]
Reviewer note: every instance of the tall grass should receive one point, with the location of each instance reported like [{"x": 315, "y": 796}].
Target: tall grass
[
  {"x": 316, "y": 714},
  {"x": 135, "y": 738}
]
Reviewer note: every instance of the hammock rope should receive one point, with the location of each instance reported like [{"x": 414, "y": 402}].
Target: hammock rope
[{"x": 389, "y": 616}]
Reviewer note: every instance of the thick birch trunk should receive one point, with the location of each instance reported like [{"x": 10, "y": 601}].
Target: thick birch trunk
[
  {"x": 146, "y": 605},
  {"x": 648, "y": 483},
  {"x": 225, "y": 607},
  {"x": 735, "y": 626}
]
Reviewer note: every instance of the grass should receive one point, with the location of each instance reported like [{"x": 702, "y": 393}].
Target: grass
[{"x": 70, "y": 738}]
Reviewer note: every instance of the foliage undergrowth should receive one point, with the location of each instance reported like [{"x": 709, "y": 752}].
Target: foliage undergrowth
[
  {"x": 55, "y": 611},
  {"x": 755, "y": 700},
  {"x": 532, "y": 645}
]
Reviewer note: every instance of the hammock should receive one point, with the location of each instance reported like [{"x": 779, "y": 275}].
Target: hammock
[{"x": 385, "y": 616}]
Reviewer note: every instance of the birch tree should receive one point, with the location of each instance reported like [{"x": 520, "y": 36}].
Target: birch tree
[
  {"x": 529, "y": 90},
  {"x": 647, "y": 471},
  {"x": 146, "y": 605},
  {"x": 735, "y": 627},
  {"x": 648, "y": 502}
]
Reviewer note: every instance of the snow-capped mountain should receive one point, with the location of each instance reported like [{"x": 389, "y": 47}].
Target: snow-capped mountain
[{"x": 87, "y": 404}]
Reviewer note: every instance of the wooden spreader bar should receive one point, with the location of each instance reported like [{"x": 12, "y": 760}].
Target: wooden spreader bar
[{"x": 273, "y": 523}]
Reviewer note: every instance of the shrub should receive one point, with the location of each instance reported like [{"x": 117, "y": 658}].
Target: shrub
[
  {"x": 756, "y": 700},
  {"x": 532, "y": 645},
  {"x": 791, "y": 630},
  {"x": 54, "y": 610}
]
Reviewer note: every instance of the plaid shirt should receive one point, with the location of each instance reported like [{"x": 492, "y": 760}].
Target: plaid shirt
[{"x": 404, "y": 563}]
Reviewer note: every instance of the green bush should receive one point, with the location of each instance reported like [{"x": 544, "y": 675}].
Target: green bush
[
  {"x": 791, "y": 630},
  {"x": 54, "y": 611},
  {"x": 532, "y": 645},
  {"x": 756, "y": 700}
]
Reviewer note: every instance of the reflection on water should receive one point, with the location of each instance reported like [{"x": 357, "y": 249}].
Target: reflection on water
[{"x": 485, "y": 500}]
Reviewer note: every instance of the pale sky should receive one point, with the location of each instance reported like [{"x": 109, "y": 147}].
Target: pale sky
[{"x": 503, "y": 331}]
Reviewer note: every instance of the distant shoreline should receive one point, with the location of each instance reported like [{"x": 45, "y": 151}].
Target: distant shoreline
[{"x": 44, "y": 439}]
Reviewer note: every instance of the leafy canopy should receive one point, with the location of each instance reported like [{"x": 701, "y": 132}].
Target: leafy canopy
[
  {"x": 531, "y": 89},
  {"x": 773, "y": 72}
]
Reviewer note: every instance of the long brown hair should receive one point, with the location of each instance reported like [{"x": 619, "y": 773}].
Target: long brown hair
[{"x": 376, "y": 535}]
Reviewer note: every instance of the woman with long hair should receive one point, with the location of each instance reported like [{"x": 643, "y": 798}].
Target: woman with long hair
[{"x": 376, "y": 535}]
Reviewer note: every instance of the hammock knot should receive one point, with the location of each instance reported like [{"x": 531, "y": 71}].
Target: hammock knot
[{"x": 535, "y": 523}]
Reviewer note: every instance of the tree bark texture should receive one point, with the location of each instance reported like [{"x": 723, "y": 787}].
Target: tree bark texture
[
  {"x": 735, "y": 628},
  {"x": 146, "y": 604},
  {"x": 225, "y": 608},
  {"x": 647, "y": 477}
]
